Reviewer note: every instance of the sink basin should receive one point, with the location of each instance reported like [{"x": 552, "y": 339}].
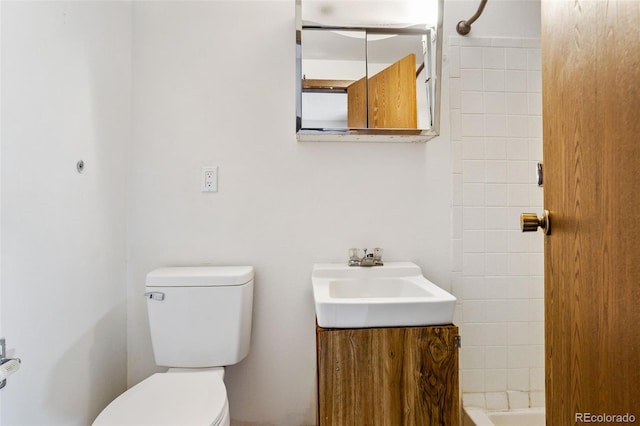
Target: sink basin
[{"x": 393, "y": 295}]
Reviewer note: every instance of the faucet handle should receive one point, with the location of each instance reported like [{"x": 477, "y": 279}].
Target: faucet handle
[
  {"x": 354, "y": 254},
  {"x": 354, "y": 257},
  {"x": 377, "y": 256}
]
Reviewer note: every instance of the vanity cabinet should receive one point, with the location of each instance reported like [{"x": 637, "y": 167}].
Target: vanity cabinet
[{"x": 388, "y": 376}]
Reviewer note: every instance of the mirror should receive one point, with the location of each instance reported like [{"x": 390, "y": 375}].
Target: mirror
[{"x": 368, "y": 70}]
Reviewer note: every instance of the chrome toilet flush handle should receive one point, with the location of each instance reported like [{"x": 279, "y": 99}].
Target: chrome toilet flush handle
[
  {"x": 154, "y": 295},
  {"x": 8, "y": 366}
]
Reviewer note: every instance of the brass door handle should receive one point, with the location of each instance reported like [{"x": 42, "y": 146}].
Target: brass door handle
[{"x": 529, "y": 222}]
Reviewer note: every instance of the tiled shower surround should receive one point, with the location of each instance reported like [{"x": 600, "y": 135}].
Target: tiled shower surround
[{"x": 496, "y": 134}]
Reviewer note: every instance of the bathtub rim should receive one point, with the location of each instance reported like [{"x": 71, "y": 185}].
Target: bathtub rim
[{"x": 479, "y": 416}]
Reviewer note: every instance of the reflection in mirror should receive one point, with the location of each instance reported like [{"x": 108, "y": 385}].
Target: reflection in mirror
[
  {"x": 331, "y": 62},
  {"x": 369, "y": 76}
]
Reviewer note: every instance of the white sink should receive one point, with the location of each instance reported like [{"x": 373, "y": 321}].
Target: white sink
[{"x": 393, "y": 295}]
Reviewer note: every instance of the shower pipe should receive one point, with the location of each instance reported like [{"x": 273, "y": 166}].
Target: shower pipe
[{"x": 464, "y": 27}]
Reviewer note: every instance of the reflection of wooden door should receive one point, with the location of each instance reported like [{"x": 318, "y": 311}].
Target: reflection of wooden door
[
  {"x": 591, "y": 114},
  {"x": 391, "y": 99},
  {"x": 357, "y": 104}
]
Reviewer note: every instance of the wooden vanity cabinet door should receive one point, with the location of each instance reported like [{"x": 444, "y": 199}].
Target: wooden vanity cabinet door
[{"x": 388, "y": 376}]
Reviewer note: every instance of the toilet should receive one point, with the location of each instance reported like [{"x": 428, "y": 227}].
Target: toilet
[{"x": 200, "y": 321}]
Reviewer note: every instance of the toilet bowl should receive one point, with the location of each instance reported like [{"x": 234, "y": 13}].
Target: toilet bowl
[
  {"x": 197, "y": 398},
  {"x": 200, "y": 321}
]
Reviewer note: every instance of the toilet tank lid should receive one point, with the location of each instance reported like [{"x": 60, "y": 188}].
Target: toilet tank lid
[{"x": 200, "y": 276}]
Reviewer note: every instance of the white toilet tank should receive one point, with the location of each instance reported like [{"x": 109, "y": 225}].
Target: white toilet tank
[{"x": 200, "y": 316}]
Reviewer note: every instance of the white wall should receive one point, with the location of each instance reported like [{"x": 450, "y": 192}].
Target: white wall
[
  {"x": 213, "y": 89},
  {"x": 1, "y": 330},
  {"x": 65, "y": 97}
]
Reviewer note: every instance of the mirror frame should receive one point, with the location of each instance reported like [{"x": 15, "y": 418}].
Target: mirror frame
[{"x": 373, "y": 134}]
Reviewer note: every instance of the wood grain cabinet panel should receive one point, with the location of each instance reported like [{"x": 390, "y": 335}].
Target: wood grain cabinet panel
[
  {"x": 388, "y": 376},
  {"x": 391, "y": 101}
]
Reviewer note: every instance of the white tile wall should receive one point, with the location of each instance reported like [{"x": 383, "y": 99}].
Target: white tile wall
[{"x": 496, "y": 129}]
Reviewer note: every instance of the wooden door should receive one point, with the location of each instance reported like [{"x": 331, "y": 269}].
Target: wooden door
[
  {"x": 391, "y": 100},
  {"x": 392, "y": 96},
  {"x": 357, "y": 104},
  {"x": 591, "y": 120}
]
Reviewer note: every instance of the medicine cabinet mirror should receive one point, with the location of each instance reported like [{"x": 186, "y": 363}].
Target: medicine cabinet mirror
[{"x": 368, "y": 70}]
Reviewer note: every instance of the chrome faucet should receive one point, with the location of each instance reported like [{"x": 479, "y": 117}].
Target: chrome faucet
[{"x": 356, "y": 258}]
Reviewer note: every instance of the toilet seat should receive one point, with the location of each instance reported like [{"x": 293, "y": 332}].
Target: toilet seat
[{"x": 190, "y": 398}]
